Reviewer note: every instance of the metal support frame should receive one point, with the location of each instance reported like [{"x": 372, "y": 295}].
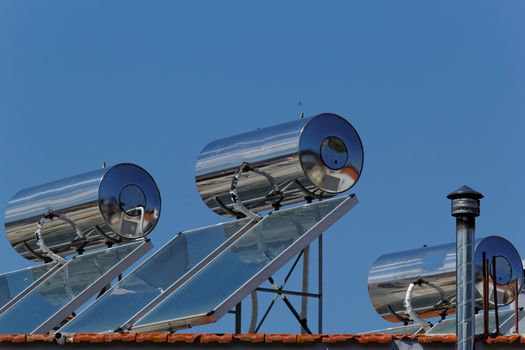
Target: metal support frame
[
  {"x": 238, "y": 317},
  {"x": 350, "y": 202},
  {"x": 281, "y": 292}
]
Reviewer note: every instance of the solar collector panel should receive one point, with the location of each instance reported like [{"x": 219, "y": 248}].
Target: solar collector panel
[
  {"x": 243, "y": 266},
  {"x": 16, "y": 284},
  {"x": 66, "y": 289},
  {"x": 153, "y": 277}
]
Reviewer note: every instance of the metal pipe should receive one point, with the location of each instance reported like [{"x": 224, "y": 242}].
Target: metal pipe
[
  {"x": 238, "y": 318},
  {"x": 495, "y": 293},
  {"x": 516, "y": 309},
  {"x": 465, "y": 208},
  {"x": 410, "y": 310},
  {"x": 255, "y": 312},
  {"x": 305, "y": 284},
  {"x": 464, "y": 283},
  {"x": 486, "y": 295},
  {"x": 320, "y": 285}
]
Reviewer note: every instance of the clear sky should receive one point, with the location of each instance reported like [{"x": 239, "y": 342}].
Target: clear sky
[{"x": 435, "y": 89}]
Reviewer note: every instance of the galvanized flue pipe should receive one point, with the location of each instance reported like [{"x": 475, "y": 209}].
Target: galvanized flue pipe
[{"x": 465, "y": 208}]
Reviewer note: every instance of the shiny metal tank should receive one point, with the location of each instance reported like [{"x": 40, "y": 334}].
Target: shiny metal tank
[
  {"x": 109, "y": 205},
  {"x": 391, "y": 275},
  {"x": 319, "y": 156}
]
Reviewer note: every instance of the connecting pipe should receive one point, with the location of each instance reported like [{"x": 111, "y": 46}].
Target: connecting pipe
[
  {"x": 46, "y": 251},
  {"x": 410, "y": 310},
  {"x": 465, "y": 208}
]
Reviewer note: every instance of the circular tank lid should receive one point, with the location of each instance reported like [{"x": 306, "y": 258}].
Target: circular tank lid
[
  {"x": 509, "y": 269},
  {"x": 129, "y": 201},
  {"x": 331, "y": 153}
]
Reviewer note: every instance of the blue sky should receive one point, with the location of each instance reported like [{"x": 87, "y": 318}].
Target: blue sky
[{"x": 435, "y": 89}]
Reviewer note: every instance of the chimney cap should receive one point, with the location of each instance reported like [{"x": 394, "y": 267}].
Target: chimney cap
[{"x": 465, "y": 192}]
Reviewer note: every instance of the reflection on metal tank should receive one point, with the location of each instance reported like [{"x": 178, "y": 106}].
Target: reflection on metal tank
[
  {"x": 435, "y": 268},
  {"x": 108, "y": 205},
  {"x": 317, "y": 157}
]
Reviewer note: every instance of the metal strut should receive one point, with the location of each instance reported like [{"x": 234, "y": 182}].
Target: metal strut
[
  {"x": 281, "y": 292},
  {"x": 46, "y": 251},
  {"x": 301, "y": 321}
]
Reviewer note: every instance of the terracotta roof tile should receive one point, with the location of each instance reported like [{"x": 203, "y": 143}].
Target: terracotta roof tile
[
  {"x": 13, "y": 338},
  {"x": 249, "y": 337},
  {"x": 436, "y": 338},
  {"x": 505, "y": 339},
  {"x": 404, "y": 336},
  {"x": 374, "y": 338},
  {"x": 118, "y": 337},
  {"x": 152, "y": 338},
  {"x": 183, "y": 338},
  {"x": 252, "y": 338},
  {"x": 337, "y": 338},
  {"x": 88, "y": 338},
  {"x": 281, "y": 338},
  {"x": 310, "y": 338},
  {"x": 43, "y": 338},
  {"x": 216, "y": 338}
]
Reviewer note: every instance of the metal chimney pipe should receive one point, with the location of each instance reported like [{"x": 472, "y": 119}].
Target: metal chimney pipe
[{"x": 465, "y": 208}]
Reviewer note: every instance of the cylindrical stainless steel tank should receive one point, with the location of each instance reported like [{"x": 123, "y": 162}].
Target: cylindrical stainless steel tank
[
  {"x": 319, "y": 156},
  {"x": 435, "y": 268},
  {"x": 113, "y": 204}
]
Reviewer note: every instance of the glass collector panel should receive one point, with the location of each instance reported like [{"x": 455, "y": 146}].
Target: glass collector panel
[
  {"x": 59, "y": 289},
  {"x": 12, "y": 283},
  {"x": 239, "y": 263},
  {"x": 150, "y": 279}
]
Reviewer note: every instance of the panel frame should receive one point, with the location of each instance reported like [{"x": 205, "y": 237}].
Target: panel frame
[
  {"x": 29, "y": 288},
  {"x": 221, "y": 309},
  {"x": 97, "y": 285},
  {"x": 397, "y": 330}
]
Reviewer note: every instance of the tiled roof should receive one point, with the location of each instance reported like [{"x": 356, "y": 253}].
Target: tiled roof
[{"x": 249, "y": 338}]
